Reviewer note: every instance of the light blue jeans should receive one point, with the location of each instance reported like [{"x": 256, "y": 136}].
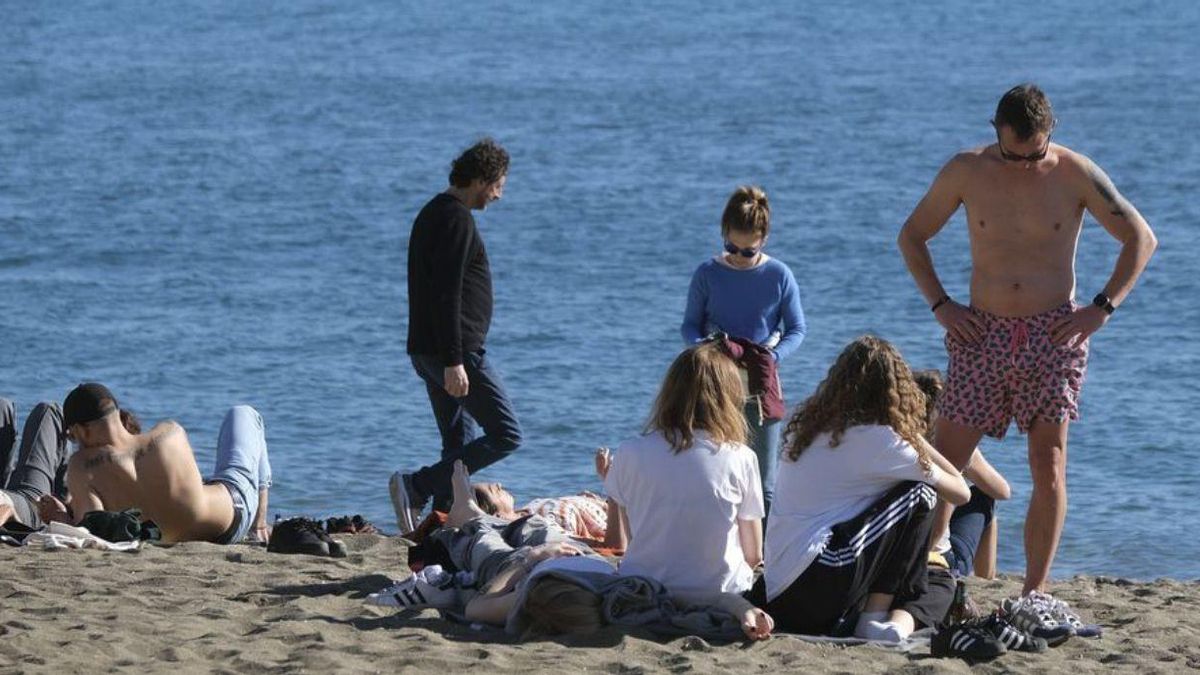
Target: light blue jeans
[
  {"x": 242, "y": 466},
  {"x": 765, "y": 441}
]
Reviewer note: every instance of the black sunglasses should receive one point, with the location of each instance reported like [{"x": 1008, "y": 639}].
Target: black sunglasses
[
  {"x": 1014, "y": 157},
  {"x": 744, "y": 252}
]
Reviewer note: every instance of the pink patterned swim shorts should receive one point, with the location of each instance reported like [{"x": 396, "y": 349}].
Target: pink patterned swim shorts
[{"x": 1015, "y": 371}]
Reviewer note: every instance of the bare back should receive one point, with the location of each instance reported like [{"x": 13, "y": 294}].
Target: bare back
[{"x": 157, "y": 473}]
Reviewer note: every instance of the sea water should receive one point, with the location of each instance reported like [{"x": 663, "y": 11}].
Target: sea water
[{"x": 205, "y": 204}]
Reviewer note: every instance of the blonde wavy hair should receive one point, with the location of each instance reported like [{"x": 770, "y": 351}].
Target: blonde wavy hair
[
  {"x": 747, "y": 211},
  {"x": 868, "y": 384},
  {"x": 557, "y": 607},
  {"x": 702, "y": 391}
]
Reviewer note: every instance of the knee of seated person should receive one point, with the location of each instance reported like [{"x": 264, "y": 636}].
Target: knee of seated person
[
  {"x": 246, "y": 412},
  {"x": 46, "y": 411}
]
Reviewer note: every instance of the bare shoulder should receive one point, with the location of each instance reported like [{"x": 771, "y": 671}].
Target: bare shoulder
[
  {"x": 1075, "y": 163},
  {"x": 962, "y": 165},
  {"x": 165, "y": 433}
]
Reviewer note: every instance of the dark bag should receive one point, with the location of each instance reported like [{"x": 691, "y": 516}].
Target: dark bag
[{"x": 119, "y": 526}]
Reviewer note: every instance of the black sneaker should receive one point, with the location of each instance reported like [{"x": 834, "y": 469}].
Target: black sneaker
[
  {"x": 302, "y": 535},
  {"x": 966, "y": 641},
  {"x": 1012, "y": 637},
  {"x": 355, "y": 524}
]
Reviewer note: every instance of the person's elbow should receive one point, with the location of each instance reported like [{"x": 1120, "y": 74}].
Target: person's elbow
[
  {"x": 1003, "y": 491},
  {"x": 954, "y": 490}
]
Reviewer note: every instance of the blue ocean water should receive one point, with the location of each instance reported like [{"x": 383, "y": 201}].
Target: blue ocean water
[{"x": 204, "y": 204}]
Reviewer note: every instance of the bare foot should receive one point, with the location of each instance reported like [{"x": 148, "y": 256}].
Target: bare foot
[{"x": 464, "y": 507}]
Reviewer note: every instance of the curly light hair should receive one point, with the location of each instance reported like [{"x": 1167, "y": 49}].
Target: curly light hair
[
  {"x": 868, "y": 384},
  {"x": 702, "y": 391}
]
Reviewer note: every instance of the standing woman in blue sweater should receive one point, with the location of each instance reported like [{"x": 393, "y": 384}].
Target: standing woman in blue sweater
[{"x": 747, "y": 294}]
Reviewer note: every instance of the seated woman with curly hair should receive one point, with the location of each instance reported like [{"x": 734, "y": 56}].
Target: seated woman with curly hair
[{"x": 848, "y": 535}]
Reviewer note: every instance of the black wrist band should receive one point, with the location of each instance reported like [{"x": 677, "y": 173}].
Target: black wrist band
[{"x": 941, "y": 301}]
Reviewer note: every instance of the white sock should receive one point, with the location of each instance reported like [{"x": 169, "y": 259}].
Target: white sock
[
  {"x": 881, "y": 631},
  {"x": 865, "y": 619}
]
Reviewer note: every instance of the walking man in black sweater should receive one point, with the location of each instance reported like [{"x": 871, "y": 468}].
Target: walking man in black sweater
[{"x": 450, "y": 310}]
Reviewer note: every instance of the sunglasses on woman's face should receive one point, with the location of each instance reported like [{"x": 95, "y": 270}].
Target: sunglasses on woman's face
[{"x": 730, "y": 247}]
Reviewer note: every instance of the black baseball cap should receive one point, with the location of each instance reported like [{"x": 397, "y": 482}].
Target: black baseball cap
[{"x": 87, "y": 403}]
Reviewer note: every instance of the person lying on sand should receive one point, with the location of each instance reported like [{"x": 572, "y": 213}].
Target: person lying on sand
[
  {"x": 34, "y": 466},
  {"x": 555, "y": 588},
  {"x": 156, "y": 472},
  {"x": 586, "y": 515}
]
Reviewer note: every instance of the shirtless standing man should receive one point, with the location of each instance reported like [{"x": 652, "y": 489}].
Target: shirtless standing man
[
  {"x": 156, "y": 472},
  {"x": 1019, "y": 349}
]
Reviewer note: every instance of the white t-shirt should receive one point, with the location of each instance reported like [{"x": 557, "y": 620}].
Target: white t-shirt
[
  {"x": 683, "y": 510},
  {"x": 826, "y": 486}
]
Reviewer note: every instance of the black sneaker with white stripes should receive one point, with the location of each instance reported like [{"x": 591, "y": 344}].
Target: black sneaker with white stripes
[
  {"x": 967, "y": 641},
  {"x": 1013, "y": 638}
]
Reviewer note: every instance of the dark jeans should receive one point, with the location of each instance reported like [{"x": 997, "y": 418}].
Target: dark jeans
[
  {"x": 966, "y": 529},
  {"x": 884, "y": 549},
  {"x": 38, "y": 466},
  {"x": 485, "y": 404}
]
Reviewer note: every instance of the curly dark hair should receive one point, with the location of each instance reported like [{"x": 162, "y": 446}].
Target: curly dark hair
[
  {"x": 931, "y": 384},
  {"x": 487, "y": 161},
  {"x": 1026, "y": 110},
  {"x": 868, "y": 384}
]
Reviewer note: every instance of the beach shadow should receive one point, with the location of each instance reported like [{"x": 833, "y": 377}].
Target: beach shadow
[
  {"x": 356, "y": 588},
  {"x": 461, "y": 632}
]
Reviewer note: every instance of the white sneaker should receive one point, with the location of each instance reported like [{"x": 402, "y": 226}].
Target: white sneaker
[{"x": 431, "y": 587}]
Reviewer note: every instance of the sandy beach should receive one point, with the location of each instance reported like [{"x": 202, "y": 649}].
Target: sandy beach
[{"x": 206, "y": 608}]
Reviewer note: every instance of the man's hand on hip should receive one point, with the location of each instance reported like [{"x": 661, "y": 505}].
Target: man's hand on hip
[
  {"x": 1074, "y": 328},
  {"x": 960, "y": 322},
  {"x": 455, "y": 381}
]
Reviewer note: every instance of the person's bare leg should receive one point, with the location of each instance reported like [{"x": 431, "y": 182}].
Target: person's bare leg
[
  {"x": 956, "y": 442},
  {"x": 941, "y": 521},
  {"x": 878, "y": 602},
  {"x": 904, "y": 621},
  {"x": 1048, "y": 505},
  {"x": 985, "y": 556},
  {"x": 464, "y": 507}
]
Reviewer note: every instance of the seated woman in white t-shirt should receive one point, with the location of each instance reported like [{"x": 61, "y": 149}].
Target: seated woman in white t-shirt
[
  {"x": 689, "y": 491},
  {"x": 848, "y": 535}
]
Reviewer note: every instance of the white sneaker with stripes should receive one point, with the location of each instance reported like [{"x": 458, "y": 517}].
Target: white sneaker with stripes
[{"x": 431, "y": 587}]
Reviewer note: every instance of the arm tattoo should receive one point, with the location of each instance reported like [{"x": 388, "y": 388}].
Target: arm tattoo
[{"x": 1108, "y": 191}]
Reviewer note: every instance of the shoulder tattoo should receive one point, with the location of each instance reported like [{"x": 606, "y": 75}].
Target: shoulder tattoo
[{"x": 1104, "y": 185}]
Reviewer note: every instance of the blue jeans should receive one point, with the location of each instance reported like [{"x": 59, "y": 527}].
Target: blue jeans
[
  {"x": 242, "y": 466},
  {"x": 764, "y": 441},
  {"x": 485, "y": 404},
  {"x": 966, "y": 529}
]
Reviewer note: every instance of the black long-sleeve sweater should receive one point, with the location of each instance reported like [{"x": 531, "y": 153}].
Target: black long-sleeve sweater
[{"x": 449, "y": 282}]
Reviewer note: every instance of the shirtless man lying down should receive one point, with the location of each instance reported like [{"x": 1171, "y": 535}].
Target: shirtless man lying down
[{"x": 156, "y": 472}]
